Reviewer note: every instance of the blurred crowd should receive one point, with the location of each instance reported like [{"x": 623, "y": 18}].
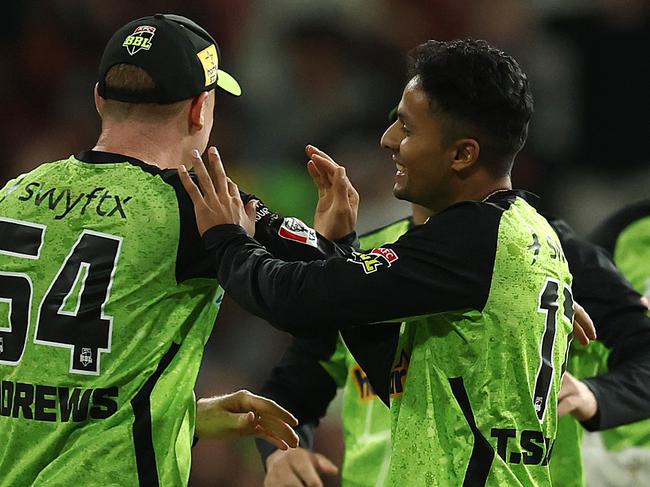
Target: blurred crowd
[{"x": 327, "y": 73}]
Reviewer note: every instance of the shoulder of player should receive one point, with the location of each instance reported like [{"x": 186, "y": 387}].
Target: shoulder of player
[
  {"x": 466, "y": 218},
  {"x": 606, "y": 234}
]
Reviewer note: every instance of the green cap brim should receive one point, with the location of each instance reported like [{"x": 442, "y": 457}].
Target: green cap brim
[{"x": 228, "y": 83}]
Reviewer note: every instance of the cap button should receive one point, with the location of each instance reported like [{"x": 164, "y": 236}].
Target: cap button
[{"x": 158, "y": 16}]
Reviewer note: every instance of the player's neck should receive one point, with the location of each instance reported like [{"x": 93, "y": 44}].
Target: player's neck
[
  {"x": 162, "y": 151},
  {"x": 481, "y": 188}
]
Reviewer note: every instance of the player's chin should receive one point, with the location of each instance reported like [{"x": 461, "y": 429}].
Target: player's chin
[{"x": 400, "y": 192}]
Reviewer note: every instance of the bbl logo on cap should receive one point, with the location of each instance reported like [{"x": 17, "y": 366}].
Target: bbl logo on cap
[{"x": 140, "y": 39}]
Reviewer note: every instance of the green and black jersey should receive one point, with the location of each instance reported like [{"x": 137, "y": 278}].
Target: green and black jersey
[
  {"x": 485, "y": 291},
  {"x": 108, "y": 301},
  {"x": 620, "y": 322},
  {"x": 107, "y": 298}
]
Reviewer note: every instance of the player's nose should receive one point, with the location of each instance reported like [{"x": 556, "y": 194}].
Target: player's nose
[{"x": 390, "y": 139}]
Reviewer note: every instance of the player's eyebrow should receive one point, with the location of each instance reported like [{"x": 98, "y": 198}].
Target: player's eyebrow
[{"x": 403, "y": 117}]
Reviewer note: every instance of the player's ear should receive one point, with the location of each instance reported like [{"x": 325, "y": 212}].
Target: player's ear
[
  {"x": 99, "y": 101},
  {"x": 197, "y": 112},
  {"x": 465, "y": 153}
]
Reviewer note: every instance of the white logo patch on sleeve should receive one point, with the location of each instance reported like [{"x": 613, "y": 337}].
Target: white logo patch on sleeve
[{"x": 294, "y": 229}]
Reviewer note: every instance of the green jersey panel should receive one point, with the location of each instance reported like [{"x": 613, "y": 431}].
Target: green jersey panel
[
  {"x": 478, "y": 400},
  {"x": 100, "y": 339}
]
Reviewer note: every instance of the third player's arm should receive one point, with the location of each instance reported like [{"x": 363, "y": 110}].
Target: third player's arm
[
  {"x": 301, "y": 384},
  {"x": 622, "y": 325}
]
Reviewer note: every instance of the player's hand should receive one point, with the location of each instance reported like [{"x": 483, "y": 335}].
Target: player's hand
[
  {"x": 576, "y": 399},
  {"x": 245, "y": 414},
  {"x": 583, "y": 328},
  {"x": 296, "y": 468},
  {"x": 338, "y": 201},
  {"x": 218, "y": 202}
]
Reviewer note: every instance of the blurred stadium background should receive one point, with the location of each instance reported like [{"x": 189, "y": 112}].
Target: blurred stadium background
[{"x": 327, "y": 72}]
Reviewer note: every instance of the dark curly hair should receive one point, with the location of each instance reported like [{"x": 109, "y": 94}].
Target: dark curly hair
[{"x": 481, "y": 92}]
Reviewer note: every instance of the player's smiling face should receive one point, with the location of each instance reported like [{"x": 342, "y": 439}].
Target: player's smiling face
[{"x": 421, "y": 156}]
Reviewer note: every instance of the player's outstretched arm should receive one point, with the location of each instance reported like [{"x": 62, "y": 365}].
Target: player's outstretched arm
[
  {"x": 245, "y": 414},
  {"x": 427, "y": 270},
  {"x": 621, "y": 394}
]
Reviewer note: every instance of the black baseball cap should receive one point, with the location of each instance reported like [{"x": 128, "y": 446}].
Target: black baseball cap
[{"x": 180, "y": 56}]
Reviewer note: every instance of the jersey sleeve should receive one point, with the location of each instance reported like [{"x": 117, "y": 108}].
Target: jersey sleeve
[
  {"x": 445, "y": 264},
  {"x": 290, "y": 239},
  {"x": 621, "y": 324}
]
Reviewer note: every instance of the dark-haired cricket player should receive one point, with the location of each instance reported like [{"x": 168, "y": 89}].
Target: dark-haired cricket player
[{"x": 483, "y": 285}]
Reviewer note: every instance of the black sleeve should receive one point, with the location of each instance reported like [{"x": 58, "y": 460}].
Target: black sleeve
[
  {"x": 621, "y": 324},
  {"x": 301, "y": 385},
  {"x": 288, "y": 238},
  {"x": 445, "y": 264}
]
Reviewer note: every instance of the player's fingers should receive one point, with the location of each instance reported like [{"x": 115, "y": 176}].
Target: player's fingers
[
  {"x": 316, "y": 176},
  {"x": 311, "y": 150},
  {"x": 306, "y": 471},
  {"x": 246, "y": 423},
  {"x": 279, "y": 429},
  {"x": 191, "y": 188},
  {"x": 341, "y": 187},
  {"x": 326, "y": 167},
  {"x": 233, "y": 190},
  {"x": 584, "y": 321},
  {"x": 567, "y": 386},
  {"x": 323, "y": 180},
  {"x": 325, "y": 465},
  {"x": 260, "y": 432},
  {"x": 217, "y": 171},
  {"x": 266, "y": 407},
  {"x": 580, "y": 334},
  {"x": 206, "y": 184},
  {"x": 251, "y": 208},
  {"x": 353, "y": 195},
  {"x": 566, "y": 406}
]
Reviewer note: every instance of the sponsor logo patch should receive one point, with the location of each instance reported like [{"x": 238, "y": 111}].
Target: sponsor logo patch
[
  {"x": 294, "y": 229},
  {"x": 373, "y": 260},
  {"x": 140, "y": 39},
  {"x": 398, "y": 375},
  {"x": 210, "y": 62}
]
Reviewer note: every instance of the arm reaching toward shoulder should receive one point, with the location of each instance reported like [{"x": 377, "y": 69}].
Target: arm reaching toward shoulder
[
  {"x": 218, "y": 202},
  {"x": 432, "y": 268}
]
